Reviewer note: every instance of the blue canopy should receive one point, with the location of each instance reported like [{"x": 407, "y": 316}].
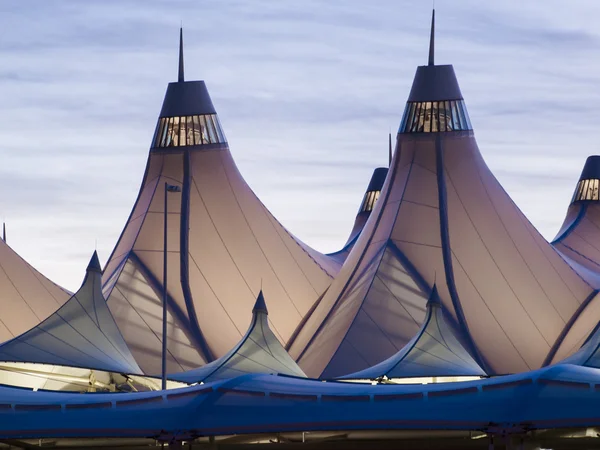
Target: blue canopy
[
  {"x": 259, "y": 351},
  {"x": 81, "y": 333},
  {"x": 433, "y": 352},
  {"x": 554, "y": 397}
]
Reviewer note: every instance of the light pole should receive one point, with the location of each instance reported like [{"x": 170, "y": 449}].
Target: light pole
[{"x": 168, "y": 188}]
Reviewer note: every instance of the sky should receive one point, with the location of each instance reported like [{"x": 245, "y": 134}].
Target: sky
[{"x": 306, "y": 91}]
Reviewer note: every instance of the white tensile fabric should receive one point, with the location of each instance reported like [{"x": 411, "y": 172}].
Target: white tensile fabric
[
  {"x": 231, "y": 245},
  {"x": 443, "y": 216},
  {"x": 81, "y": 333},
  {"x": 259, "y": 351},
  {"x": 434, "y": 351},
  {"x": 26, "y": 296}
]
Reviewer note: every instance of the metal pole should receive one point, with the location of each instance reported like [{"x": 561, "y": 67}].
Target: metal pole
[{"x": 164, "y": 317}]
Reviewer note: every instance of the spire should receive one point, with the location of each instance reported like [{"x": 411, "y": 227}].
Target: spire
[
  {"x": 390, "y": 149},
  {"x": 4, "y": 231},
  {"x": 432, "y": 39},
  {"x": 94, "y": 263},
  {"x": 180, "y": 76},
  {"x": 260, "y": 305}
]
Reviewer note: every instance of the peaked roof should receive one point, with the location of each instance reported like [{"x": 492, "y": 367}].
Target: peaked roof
[
  {"x": 364, "y": 211},
  {"x": 507, "y": 292},
  {"x": 259, "y": 351},
  {"x": 27, "y": 297},
  {"x": 578, "y": 238},
  {"x": 434, "y": 351},
  {"x": 82, "y": 333},
  {"x": 223, "y": 243}
]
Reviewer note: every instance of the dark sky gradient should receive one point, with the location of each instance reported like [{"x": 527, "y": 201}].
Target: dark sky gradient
[{"x": 306, "y": 91}]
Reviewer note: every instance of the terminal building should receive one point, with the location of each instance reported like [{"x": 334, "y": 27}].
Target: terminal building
[{"x": 444, "y": 290}]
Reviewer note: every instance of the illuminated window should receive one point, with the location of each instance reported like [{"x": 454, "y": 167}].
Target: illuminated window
[
  {"x": 431, "y": 117},
  {"x": 586, "y": 190},
  {"x": 188, "y": 130},
  {"x": 369, "y": 201}
]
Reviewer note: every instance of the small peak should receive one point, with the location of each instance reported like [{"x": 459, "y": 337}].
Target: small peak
[
  {"x": 434, "y": 297},
  {"x": 180, "y": 76},
  {"x": 94, "y": 264},
  {"x": 260, "y": 305},
  {"x": 432, "y": 40}
]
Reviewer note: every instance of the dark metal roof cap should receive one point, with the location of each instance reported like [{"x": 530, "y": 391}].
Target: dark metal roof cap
[
  {"x": 591, "y": 170},
  {"x": 377, "y": 179},
  {"x": 435, "y": 83},
  {"x": 187, "y": 98},
  {"x": 434, "y": 298},
  {"x": 260, "y": 305},
  {"x": 94, "y": 263}
]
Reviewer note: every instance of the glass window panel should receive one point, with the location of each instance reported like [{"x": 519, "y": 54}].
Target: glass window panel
[
  {"x": 220, "y": 130},
  {"x": 409, "y": 119},
  {"x": 157, "y": 138},
  {"x": 157, "y": 132},
  {"x": 212, "y": 133},
  {"x": 442, "y": 115},
  {"x": 182, "y": 123},
  {"x": 452, "y": 116},
  {"x": 579, "y": 191},
  {"x": 449, "y": 124},
  {"x": 415, "y": 118},
  {"x": 163, "y": 138},
  {"x": 215, "y": 122},
  {"x": 189, "y": 130},
  {"x": 404, "y": 116},
  {"x": 590, "y": 190},
  {"x": 435, "y": 118},
  {"x": 595, "y": 190},
  {"x": 465, "y": 116},
  {"x": 196, "y": 124},
  {"x": 580, "y": 194},
  {"x": 411, "y": 112},
  {"x": 427, "y": 118},
  {"x": 457, "y": 117},
  {"x": 584, "y": 190},
  {"x": 203, "y": 130},
  {"x": 168, "y": 142},
  {"x": 175, "y": 132}
]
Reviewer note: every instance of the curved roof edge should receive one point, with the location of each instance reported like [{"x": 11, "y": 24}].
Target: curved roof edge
[
  {"x": 259, "y": 351},
  {"x": 434, "y": 351}
]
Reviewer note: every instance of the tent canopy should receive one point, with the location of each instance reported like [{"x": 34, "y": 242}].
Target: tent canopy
[
  {"x": 259, "y": 351},
  {"x": 81, "y": 333}
]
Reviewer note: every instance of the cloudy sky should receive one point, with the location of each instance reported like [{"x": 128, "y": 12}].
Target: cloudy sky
[{"x": 307, "y": 92}]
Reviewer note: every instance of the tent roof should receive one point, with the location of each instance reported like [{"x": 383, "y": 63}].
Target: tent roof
[
  {"x": 259, "y": 351},
  {"x": 434, "y": 351},
  {"x": 81, "y": 333}
]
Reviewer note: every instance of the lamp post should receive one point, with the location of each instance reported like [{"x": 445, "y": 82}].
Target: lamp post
[{"x": 168, "y": 188}]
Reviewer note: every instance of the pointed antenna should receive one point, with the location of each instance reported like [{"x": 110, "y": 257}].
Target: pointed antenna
[
  {"x": 390, "y": 149},
  {"x": 4, "y": 231},
  {"x": 180, "y": 77},
  {"x": 432, "y": 39}
]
